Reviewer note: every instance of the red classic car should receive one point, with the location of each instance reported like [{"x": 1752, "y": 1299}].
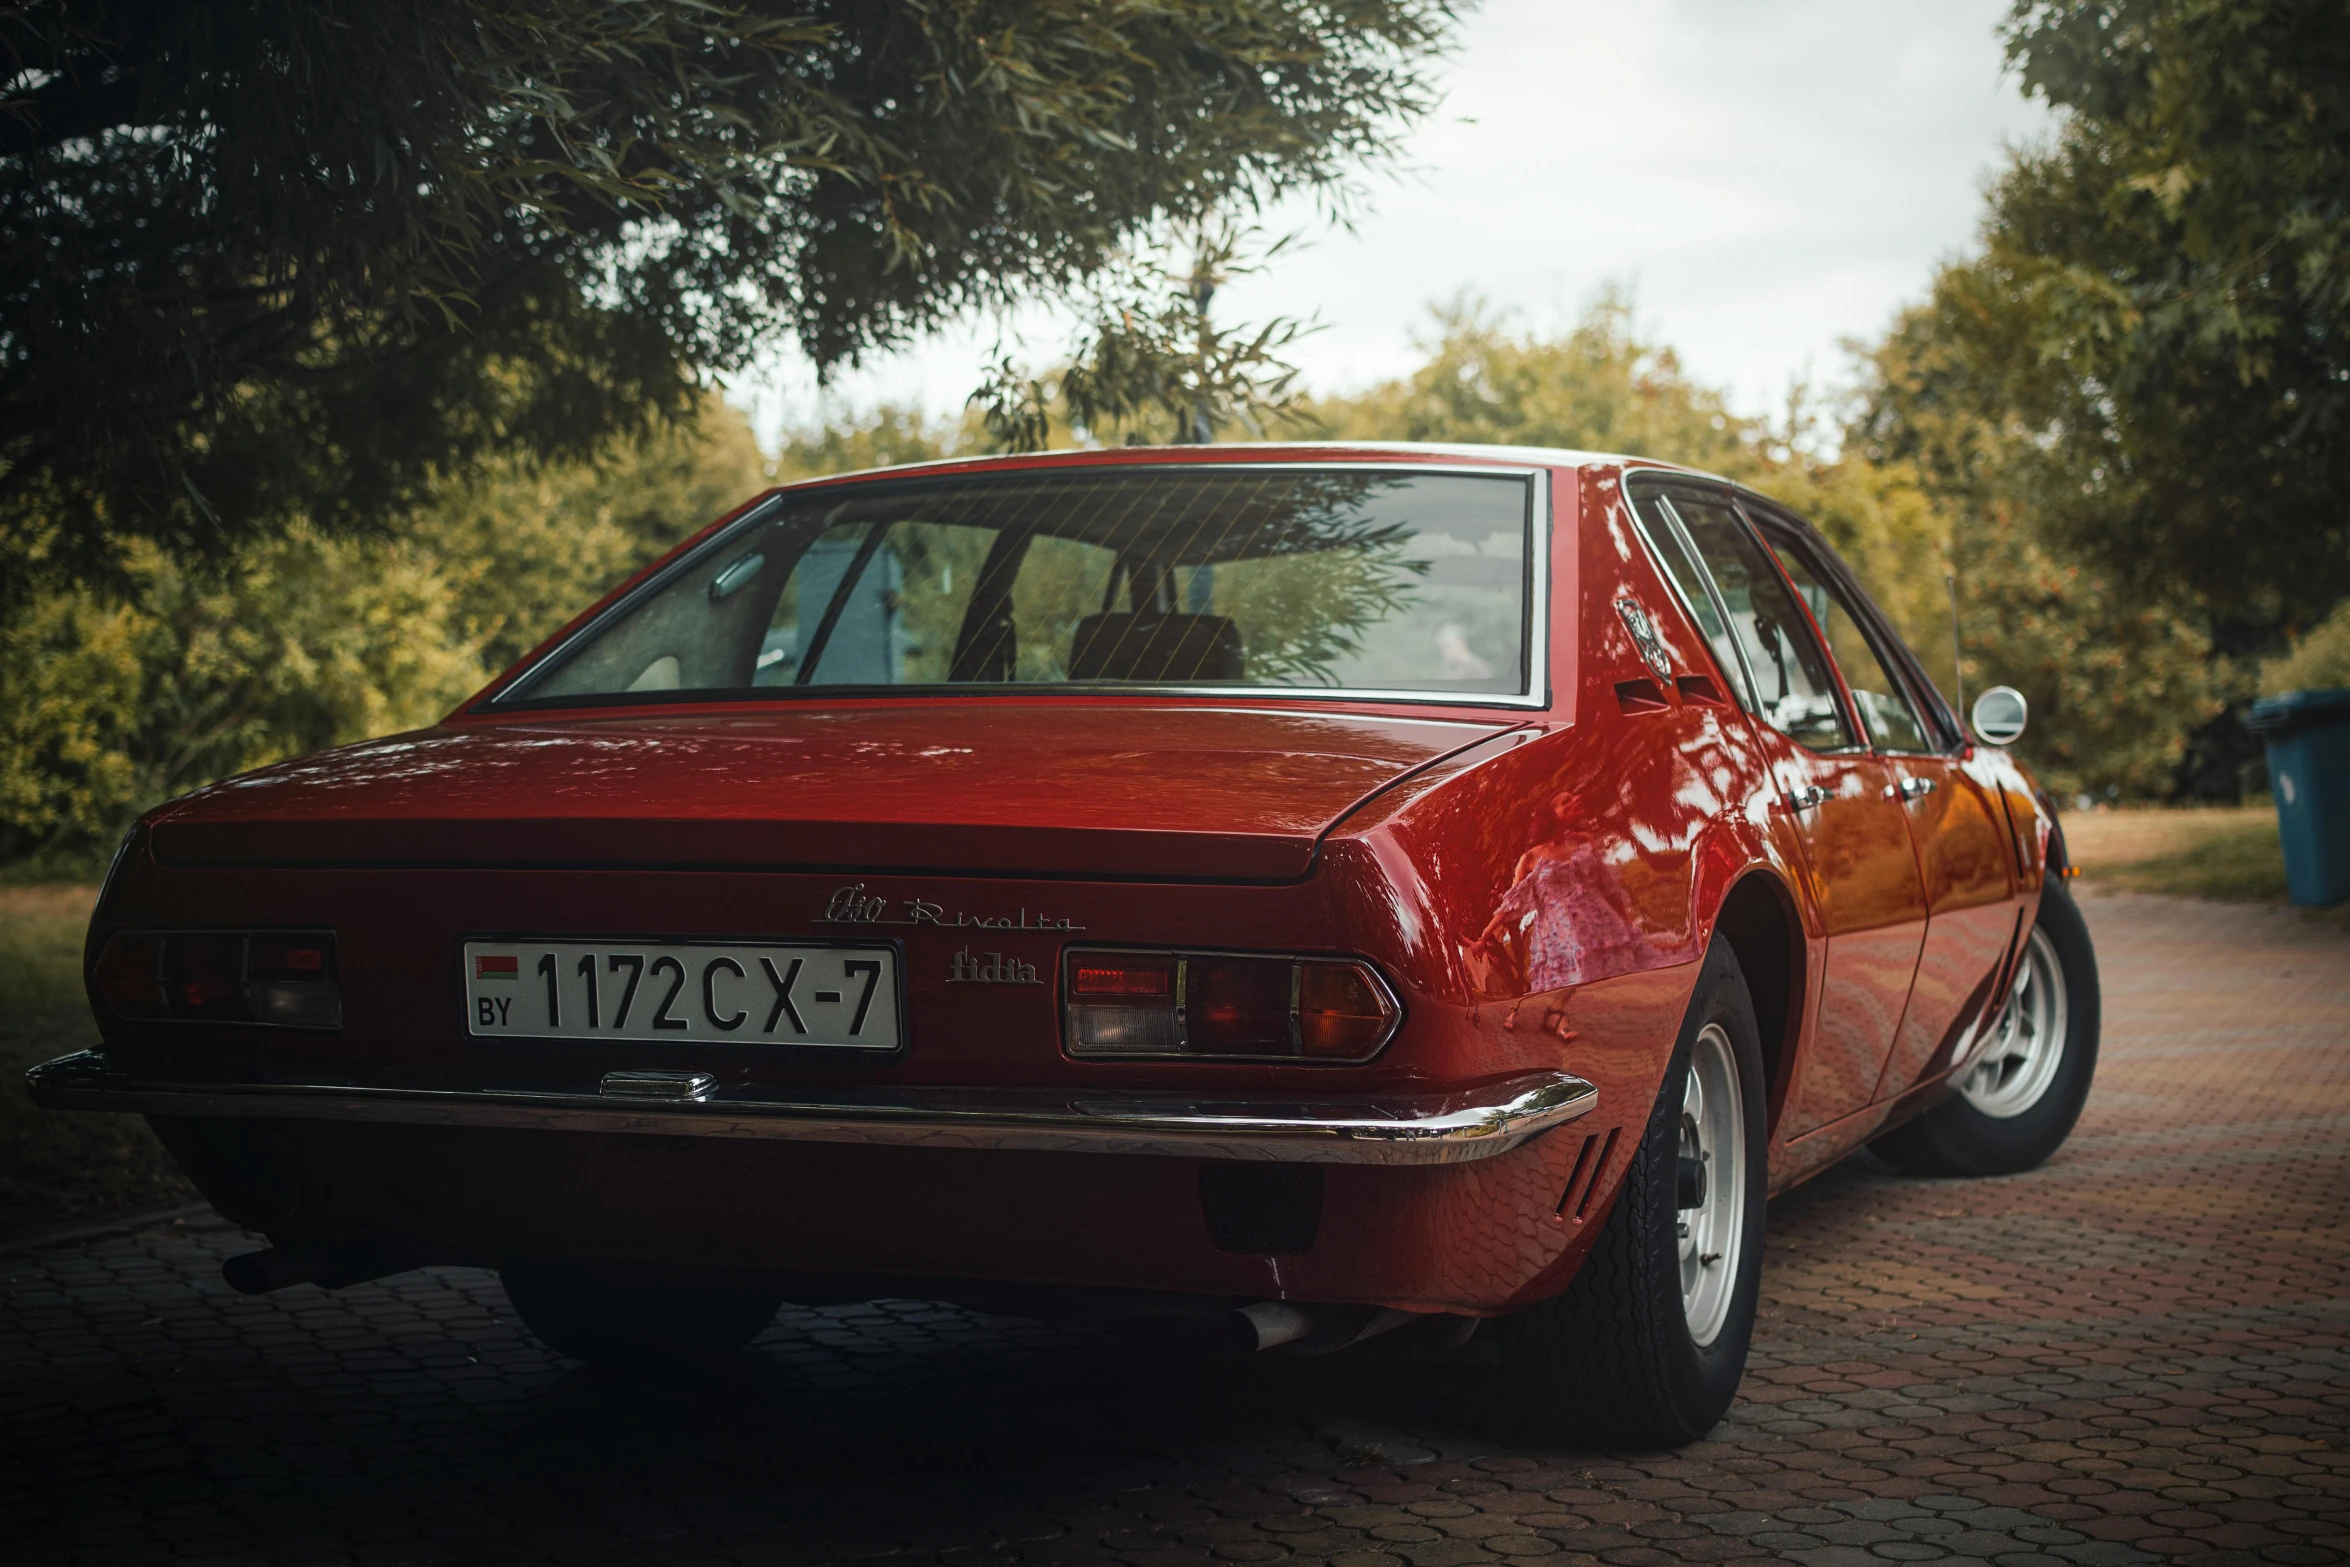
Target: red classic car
[{"x": 1320, "y": 889}]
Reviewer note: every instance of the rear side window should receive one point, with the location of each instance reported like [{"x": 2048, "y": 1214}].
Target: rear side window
[
  {"x": 1793, "y": 690},
  {"x": 1674, "y": 549}
]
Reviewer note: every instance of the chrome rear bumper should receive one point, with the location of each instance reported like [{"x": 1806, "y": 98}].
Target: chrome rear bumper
[{"x": 1427, "y": 1129}]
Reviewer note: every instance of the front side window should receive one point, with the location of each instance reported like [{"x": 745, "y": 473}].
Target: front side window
[
  {"x": 1794, "y": 692},
  {"x": 1885, "y": 711},
  {"x": 1281, "y": 578}
]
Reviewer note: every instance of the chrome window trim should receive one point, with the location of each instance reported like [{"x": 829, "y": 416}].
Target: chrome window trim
[
  {"x": 1741, "y": 678},
  {"x": 511, "y": 694},
  {"x": 1748, "y": 686}
]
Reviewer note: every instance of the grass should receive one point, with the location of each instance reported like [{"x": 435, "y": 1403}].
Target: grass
[
  {"x": 2230, "y": 854},
  {"x": 56, "y": 1166}
]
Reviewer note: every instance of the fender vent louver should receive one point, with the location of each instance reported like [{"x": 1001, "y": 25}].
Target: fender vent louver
[{"x": 1583, "y": 1180}]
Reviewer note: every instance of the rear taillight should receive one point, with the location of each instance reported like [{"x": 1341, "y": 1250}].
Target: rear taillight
[
  {"x": 1226, "y": 1005},
  {"x": 277, "y": 978}
]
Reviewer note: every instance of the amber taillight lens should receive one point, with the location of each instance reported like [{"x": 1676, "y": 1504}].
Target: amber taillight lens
[
  {"x": 1342, "y": 1013},
  {"x": 1232, "y": 1006},
  {"x": 284, "y": 979}
]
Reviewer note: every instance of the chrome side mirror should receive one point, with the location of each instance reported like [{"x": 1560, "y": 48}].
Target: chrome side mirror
[{"x": 1999, "y": 715}]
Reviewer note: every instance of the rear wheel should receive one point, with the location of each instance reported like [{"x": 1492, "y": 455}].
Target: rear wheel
[
  {"x": 1649, "y": 1342},
  {"x": 616, "y": 1314},
  {"x": 2016, "y": 1104}
]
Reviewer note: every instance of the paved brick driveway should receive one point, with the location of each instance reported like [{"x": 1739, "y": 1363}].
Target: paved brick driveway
[{"x": 2135, "y": 1354}]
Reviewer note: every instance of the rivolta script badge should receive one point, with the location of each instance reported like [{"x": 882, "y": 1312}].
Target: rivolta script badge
[
  {"x": 853, "y": 905},
  {"x": 994, "y": 969}
]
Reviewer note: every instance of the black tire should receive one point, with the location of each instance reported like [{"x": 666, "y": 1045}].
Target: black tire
[
  {"x": 1613, "y": 1360},
  {"x": 610, "y": 1314},
  {"x": 1958, "y": 1138}
]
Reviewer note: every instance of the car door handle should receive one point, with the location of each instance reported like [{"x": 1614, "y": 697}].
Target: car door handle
[
  {"x": 1802, "y": 797},
  {"x": 1910, "y": 789}
]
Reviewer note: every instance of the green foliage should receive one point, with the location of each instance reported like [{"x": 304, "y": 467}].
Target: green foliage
[
  {"x": 265, "y": 263},
  {"x": 2120, "y": 678},
  {"x": 1152, "y": 363},
  {"x": 1598, "y": 388},
  {"x": 70, "y": 684},
  {"x": 112, "y": 701},
  {"x": 2316, "y": 662},
  {"x": 2162, "y": 304},
  {"x": 2147, "y": 366},
  {"x": 2116, "y": 686},
  {"x": 527, "y": 546},
  {"x": 889, "y": 437}
]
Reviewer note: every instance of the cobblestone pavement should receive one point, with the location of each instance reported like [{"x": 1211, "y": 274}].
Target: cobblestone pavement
[{"x": 2134, "y": 1354}]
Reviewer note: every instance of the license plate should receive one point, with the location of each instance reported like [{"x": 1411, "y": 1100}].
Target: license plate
[{"x": 695, "y": 992}]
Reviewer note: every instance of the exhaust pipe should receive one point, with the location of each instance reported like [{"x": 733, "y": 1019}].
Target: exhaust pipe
[
  {"x": 1314, "y": 1330},
  {"x": 259, "y": 1272},
  {"x": 1270, "y": 1324}
]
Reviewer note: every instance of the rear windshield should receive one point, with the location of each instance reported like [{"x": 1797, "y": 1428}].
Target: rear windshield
[{"x": 1318, "y": 579}]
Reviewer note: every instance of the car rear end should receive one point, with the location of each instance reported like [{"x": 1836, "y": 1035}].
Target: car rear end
[{"x": 1106, "y": 971}]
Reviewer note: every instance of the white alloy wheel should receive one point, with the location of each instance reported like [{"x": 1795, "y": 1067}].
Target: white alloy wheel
[
  {"x": 1713, "y": 1170},
  {"x": 2027, "y": 1040}
]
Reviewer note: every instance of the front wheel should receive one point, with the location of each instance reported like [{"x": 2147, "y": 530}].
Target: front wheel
[
  {"x": 2017, "y": 1102},
  {"x": 1648, "y": 1344},
  {"x": 609, "y": 1314}
]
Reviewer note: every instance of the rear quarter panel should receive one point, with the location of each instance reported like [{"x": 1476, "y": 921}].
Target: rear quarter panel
[{"x": 1558, "y": 885}]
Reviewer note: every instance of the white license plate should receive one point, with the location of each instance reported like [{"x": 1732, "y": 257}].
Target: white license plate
[{"x": 697, "y": 992}]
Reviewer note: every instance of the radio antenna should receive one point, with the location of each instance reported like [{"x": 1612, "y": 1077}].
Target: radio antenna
[{"x": 1957, "y": 645}]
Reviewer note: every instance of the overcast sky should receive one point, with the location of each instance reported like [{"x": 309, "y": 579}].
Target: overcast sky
[{"x": 1769, "y": 176}]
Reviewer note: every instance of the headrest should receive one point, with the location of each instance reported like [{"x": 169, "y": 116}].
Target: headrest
[{"x": 1156, "y": 649}]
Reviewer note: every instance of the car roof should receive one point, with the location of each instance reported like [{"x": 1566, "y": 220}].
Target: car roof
[{"x": 1113, "y": 456}]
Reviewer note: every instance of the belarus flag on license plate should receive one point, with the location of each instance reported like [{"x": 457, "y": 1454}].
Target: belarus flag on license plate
[{"x": 491, "y": 967}]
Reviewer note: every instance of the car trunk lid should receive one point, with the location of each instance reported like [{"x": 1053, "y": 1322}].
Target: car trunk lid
[{"x": 1105, "y": 790}]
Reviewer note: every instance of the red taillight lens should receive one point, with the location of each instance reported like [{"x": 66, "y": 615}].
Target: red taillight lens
[
  {"x": 1123, "y": 977},
  {"x": 203, "y": 976},
  {"x": 298, "y": 961},
  {"x": 285, "y": 978},
  {"x": 1238, "y": 1006},
  {"x": 1226, "y": 1005}
]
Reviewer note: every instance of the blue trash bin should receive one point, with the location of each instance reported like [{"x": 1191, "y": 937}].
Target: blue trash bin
[{"x": 2308, "y": 737}]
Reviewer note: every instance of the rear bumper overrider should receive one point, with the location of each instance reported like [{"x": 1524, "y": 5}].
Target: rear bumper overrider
[{"x": 1427, "y": 1129}]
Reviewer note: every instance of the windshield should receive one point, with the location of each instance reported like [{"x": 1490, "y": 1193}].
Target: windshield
[{"x": 1380, "y": 580}]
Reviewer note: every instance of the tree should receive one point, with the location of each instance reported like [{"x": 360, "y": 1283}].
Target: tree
[
  {"x": 1151, "y": 361},
  {"x": 1599, "y": 387},
  {"x": 2316, "y": 661},
  {"x": 114, "y": 699},
  {"x": 2162, "y": 304},
  {"x": 263, "y": 261},
  {"x": 885, "y": 438}
]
